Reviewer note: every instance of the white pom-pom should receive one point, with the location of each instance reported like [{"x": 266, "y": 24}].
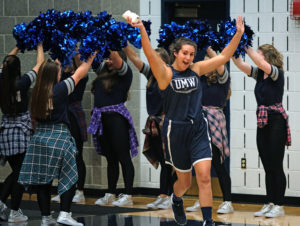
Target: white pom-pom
[{"x": 133, "y": 16}]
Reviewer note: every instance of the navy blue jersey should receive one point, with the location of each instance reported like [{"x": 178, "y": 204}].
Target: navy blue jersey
[
  {"x": 153, "y": 94},
  {"x": 77, "y": 94},
  {"x": 268, "y": 91},
  {"x": 22, "y": 86},
  {"x": 60, "y": 93},
  {"x": 215, "y": 94},
  {"x": 119, "y": 91},
  {"x": 182, "y": 98}
]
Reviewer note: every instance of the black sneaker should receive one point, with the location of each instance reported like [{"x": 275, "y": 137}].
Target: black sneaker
[
  {"x": 209, "y": 222},
  {"x": 178, "y": 211}
]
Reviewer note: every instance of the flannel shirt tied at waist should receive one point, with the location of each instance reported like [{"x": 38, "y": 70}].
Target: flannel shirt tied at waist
[
  {"x": 262, "y": 118},
  {"x": 217, "y": 126},
  {"x": 96, "y": 127},
  {"x": 77, "y": 110}
]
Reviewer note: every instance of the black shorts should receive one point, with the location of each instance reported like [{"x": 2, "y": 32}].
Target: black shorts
[{"x": 186, "y": 142}]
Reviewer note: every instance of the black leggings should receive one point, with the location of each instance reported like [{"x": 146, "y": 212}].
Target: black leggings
[
  {"x": 222, "y": 173},
  {"x": 166, "y": 178},
  {"x": 115, "y": 146},
  {"x": 75, "y": 132},
  {"x": 11, "y": 185},
  {"x": 271, "y": 141},
  {"x": 44, "y": 198}
]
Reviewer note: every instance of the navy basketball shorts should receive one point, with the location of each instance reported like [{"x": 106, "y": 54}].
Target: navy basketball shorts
[{"x": 186, "y": 143}]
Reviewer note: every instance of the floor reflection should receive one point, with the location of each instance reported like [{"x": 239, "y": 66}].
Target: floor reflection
[{"x": 128, "y": 220}]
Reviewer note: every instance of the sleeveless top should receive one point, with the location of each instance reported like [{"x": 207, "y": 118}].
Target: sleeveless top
[{"x": 182, "y": 98}]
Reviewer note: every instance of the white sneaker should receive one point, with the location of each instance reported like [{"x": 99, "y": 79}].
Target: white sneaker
[
  {"x": 3, "y": 211},
  {"x": 66, "y": 218},
  {"x": 16, "y": 216},
  {"x": 153, "y": 205},
  {"x": 48, "y": 221},
  {"x": 107, "y": 199},
  {"x": 79, "y": 197},
  {"x": 167, "y": 204},
  {"x": 123, "y": 200},
  {"x": 225, "y": 207},
  {"x": 276, "y": 211},
  {"x": 194, "y": 208},
  {"x": 265, "y": 209},
  {"x": 56, "y": 198}
]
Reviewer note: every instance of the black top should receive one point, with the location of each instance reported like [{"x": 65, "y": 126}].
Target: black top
[
  {"x": 119, "y": 91},
  {"x": 182, "y": 99},
  {"x": 22, "y": 86},
  {"x": 77, "y": 94},
  {"x": 268, "y": 91},
  {"x": 153, "y": 94},
  {"x": 215, "y": 94}
]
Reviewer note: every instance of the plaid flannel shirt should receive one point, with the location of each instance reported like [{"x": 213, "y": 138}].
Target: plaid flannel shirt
[
  {"x": 262, "y": 118},
  {"x": 51, "y": 154},
  {"x": 76, "y": 109},
  {"x": 217, "y": 126},
  {"x": 96, "y": 127}
]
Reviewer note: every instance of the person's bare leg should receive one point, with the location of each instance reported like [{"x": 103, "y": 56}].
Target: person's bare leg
[
  {"x": 202, "y": 170},
  {"x": 183, "y": 182}
]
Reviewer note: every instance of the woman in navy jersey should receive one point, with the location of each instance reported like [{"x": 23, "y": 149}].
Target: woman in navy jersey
[
  {"x": 216, "y": 90},
  {"x": 52, "y": 152},
  {"x": 185, "y": 130},
  {"x": 112, "y": 126},
  {"x": 153, "y": 147},
  {"x": 16, "y": 127},
  {"x": 78, "y": 126},
  {"x": 273, "y": 131}
]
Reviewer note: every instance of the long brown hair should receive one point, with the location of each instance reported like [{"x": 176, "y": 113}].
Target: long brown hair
[
  {"x": 41, "y": 99},
  {"x": 272, "y": 55},
  {"x": 177, "y": 45},
  {"x": 165, "y": 57},
  {"x": 11, "y": 72},
  {"x": 211, "y": 77},
  {"x": 108, "y": 77}
]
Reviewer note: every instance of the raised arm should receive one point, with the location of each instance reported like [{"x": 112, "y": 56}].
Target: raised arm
[
  {"x": 161, "y": 72},
  {"x": 211, "y": 53},
  {"x": 203, "y": 67},
  {"x": 134, "y": 58},
  {"x": 243, "y": 66},
  {"x": 14, "y": 51},
  {"x": 77, "y": 60},
  {"x": 83, "y": 69},
  {"x": 39, "y": 57},
  {"x": 116, "y": 59},
  {"x": 259, "y": 60}
]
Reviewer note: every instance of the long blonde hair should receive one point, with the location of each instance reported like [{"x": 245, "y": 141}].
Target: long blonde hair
[{"x": 272, "y": 55}]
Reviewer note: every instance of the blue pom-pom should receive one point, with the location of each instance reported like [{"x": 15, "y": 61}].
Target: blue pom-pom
[
  {"x": 198, "y": 31},
  {"x": 227, "y": 30},
  {"x": 62, "y": 31}
]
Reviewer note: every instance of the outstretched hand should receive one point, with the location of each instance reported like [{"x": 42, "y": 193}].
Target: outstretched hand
[
  {"x": 139, "y": 24},
  {"x": 240, "y": 26},
  {"x": 92, "y": 56}
]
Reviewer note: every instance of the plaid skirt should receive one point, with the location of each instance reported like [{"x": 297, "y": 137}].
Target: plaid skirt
[
  {"x": 51, "y": 154},
  {"x": 15, "y": 134}
]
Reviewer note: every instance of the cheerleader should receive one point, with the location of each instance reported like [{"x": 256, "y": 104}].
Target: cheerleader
[
  {"x": 273, "y": 131},
  {"x": 112, "y": 126},
  {"x": 52, "y": 152},
  {"x": 16, "y": 127}
]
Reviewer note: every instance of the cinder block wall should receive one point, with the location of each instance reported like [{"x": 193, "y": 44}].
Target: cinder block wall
[{"x": 13, "y": 12}]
